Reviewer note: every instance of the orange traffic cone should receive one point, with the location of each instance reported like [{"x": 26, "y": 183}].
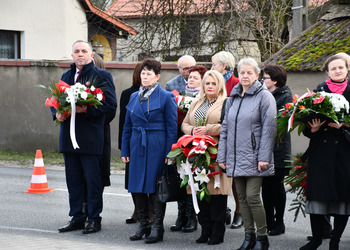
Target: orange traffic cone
[{"x": 38, "y": 184}]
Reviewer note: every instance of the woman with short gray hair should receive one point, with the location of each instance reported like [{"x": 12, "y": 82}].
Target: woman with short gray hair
[
  {"x": 246, "y": 148},
  {"x": 224, "y": 62}
]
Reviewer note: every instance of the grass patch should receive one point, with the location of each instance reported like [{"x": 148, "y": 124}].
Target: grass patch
[
  {"x": 50, "y": 158},
  {"x": 25, "y": 158}
]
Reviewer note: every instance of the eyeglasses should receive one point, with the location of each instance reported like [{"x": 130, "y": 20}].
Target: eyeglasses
[
  {"x": 185, "y": 69},
  {"x": 265, "y": 77}
]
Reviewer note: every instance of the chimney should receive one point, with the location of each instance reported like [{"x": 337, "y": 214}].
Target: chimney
[{"x": 299, "y": 10}]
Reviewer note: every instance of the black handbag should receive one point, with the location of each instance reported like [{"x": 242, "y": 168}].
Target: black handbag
[{"x": 168, "y": 185}]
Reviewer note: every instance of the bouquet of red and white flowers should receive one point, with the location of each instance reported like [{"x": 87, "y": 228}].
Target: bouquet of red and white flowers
[
  {"x": 325, "y": 106},
  {"x": 297, "y": 184},
  {"x": 65, "y": 97},
  {"x": 62, "y": 95},
  {"x": 183, "y": 104},
  {"x": 195, "y": 158}
]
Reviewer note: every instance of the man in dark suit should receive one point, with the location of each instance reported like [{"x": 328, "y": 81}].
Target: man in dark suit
[
  {"x": 82, "y": 164},
  {"x": 179, "y": 82}
]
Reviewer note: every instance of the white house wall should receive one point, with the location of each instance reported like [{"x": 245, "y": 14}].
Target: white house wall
[{"x": 48, "y": 27}]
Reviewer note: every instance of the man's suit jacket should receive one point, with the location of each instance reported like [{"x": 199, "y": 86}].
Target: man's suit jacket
[
  {"x": 177, "y": 83},
  {"x": 89, "y": 126}
]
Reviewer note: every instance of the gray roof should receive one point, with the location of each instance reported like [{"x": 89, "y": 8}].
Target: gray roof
[{"x": 309, "y": 51}]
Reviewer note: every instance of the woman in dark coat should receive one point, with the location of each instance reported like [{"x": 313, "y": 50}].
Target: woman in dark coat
[
  {"x": 273, "y": 192},
  {"x": 124, "y": 100},
  {"x": 150, "y": 129},
  {"x": 328, "y": 173}
]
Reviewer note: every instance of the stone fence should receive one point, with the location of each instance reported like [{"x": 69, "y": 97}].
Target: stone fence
[{"x": 26, "y": 123}]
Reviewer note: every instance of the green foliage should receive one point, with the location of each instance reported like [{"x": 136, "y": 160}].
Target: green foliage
[
  {"x": 297, "y": 181},
  {"x": 174, "y": 153}
]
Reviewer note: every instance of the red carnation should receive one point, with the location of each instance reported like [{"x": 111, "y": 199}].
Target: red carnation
[
  {"x": 288, "y": 105},
  {"x": 318, "y": 100},
  {"x": 52, "y": 102}
]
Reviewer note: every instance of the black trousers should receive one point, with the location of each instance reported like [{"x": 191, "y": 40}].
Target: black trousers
[
  {"x": 274, "y": 199},
  {"x": 212, "y": 216},
  {"x": 84, "y": 170}
]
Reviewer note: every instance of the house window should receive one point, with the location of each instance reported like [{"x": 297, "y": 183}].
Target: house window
[
  {"x": 190, "y": 32},
  {"x": 9, "y": 44}
]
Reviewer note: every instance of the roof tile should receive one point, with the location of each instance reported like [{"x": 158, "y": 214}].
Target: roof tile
[{"x": 309, "y": 51}]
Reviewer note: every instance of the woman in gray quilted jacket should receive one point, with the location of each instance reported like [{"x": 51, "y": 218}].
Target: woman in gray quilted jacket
[{"x": 246, "y": 148}]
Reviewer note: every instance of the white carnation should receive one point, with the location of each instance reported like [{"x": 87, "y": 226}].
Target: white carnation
[
  {"x": 83, "y": 95},
  {"x": 99, "y": 97}
]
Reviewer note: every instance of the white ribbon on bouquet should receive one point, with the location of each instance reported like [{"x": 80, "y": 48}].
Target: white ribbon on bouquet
[
  {"x": 72, "y": 120},
  {"x": 193, "y": 189}
]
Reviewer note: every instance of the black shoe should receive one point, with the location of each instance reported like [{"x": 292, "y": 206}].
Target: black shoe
[
  {"x": 92, "y": 227},
  {"x": 180, "y": 222},
  {"x": 155, "y": 236},
  {"x": 249, "y": 241},
  {"x": 326, "y": 236},
  {"x": 277, "y": 229},
  {"x": 71, "y": 226},
  {"x": 215, "y": 241},
  {"x": 130, "y": 221},
  {"x": 142, "y": 230},
  {"x": 262, "y": 243},
  {"x": 312, "y": 245},
  {"x": 237, "y": 221},
  {"x": 228, "y": 216},
  {"x": 191, "y": 224},
  {"x": 202, "y": 239}
]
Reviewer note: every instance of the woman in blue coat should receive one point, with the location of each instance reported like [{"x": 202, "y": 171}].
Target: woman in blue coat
[{"x": 149, "y": 131}]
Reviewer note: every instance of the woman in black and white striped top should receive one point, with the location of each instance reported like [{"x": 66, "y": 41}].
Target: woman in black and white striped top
[{"x": 203, "y": 118}]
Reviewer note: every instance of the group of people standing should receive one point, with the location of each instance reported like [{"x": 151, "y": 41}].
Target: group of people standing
[
  {"x": 245, "y": 135},
  {"x": 239, "y": 113}
]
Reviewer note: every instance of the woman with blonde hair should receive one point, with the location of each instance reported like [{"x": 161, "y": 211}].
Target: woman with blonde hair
[{"x": 207, "y": 111}]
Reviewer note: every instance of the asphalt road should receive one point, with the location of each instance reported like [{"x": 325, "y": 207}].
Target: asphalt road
[{"x": 30, "y": 221}]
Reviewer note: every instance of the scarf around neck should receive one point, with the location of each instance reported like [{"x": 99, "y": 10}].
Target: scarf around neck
[
  {"x": 337, "y": 87},
  {"x": 227, "y": 75},
  {"x": 145, "y": 93}
]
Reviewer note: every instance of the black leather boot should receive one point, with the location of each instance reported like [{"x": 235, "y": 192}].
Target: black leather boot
[
  {"x": 181, "y": 216},
  {"x": 340, "y": 222},
  {"x": 158, "y": 227},
  {"x": 141, "y": 204},
  {"x": 237, "y": 221},
  {"x": 191, "y": 224},
  {"x": 204, "y": 235},
  {"x": 317, "y": 222},
  {"x": 249, "y": 241},
  {"x": 277, "y": 229},
  {"x": 262, "y": 243},
  {"x": 334, "y": 243}
]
